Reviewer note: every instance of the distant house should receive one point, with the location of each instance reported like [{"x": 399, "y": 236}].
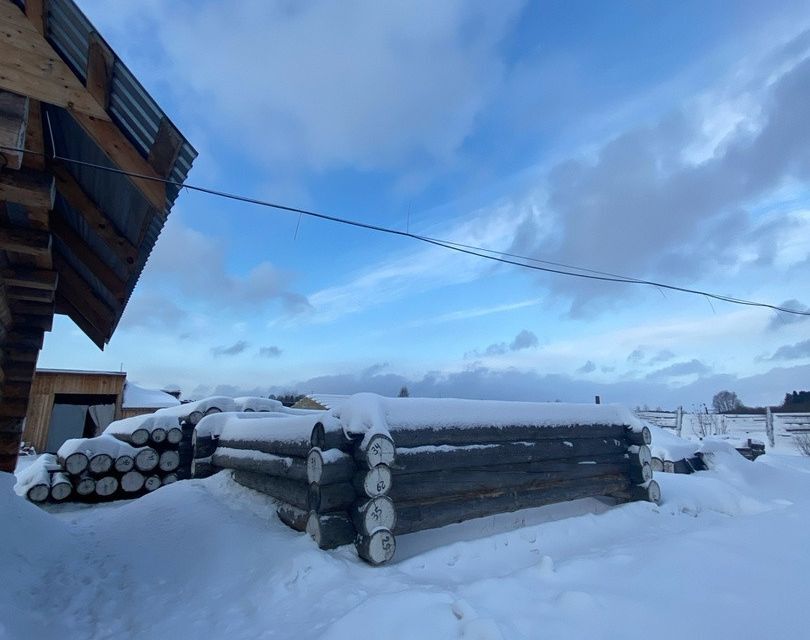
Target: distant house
[
  {"x": 320, "y": 401},
  {"x": 80, "y": 404}
]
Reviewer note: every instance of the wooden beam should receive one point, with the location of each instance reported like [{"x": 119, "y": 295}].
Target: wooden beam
[
  {"x": 21, "y": 354},
  {"x": 75, "y": 196},
  {"x": 24, "y": 339},
  {"x": 40, "y": 322},
  {"x": 73, "y": 287},
  {"x": 30, "y": 278},
  {"x": 10, "y": 443},
  {"x": 5, "y": 308},
  {"x": 18, "y": 371},
  {"x": 99, "y": 71},
  {"x": 61, "y": 229},
  {"x": 13, "y": 124},
  {"x": 29, "y": 68},
  {"x": 28, "y": 187},
  {"x": 27, "y": 308},
  {"x": 34, "y": 138},
  {"x": 65, "y": 307},
  {"x": 165, "y": 148},
  {"x": 15, "y": 390},
  {"x": 37, "y": 14},
  {"x": 124, "y": 156},
  {"x": 32, "y": 68},
  {"x": 28, "y": 241},
  {"x": 30, "y": 295},
  {"x": 10, "y": 425},
  {"x": 13, "y": 408}
]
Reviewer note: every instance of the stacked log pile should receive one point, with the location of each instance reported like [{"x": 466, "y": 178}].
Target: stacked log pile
[
  {"x": 365, "y": 475},
  {"x": 325, "y": 483},
  {"x": 177, "y": 423},
  {"x": 95, "y": 470}
]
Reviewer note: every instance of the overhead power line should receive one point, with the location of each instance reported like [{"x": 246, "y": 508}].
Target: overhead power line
[{"x": 503, "y": 257}]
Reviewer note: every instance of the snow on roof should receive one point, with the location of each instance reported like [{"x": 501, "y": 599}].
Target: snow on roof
[
  {"x": 328, "y": 400},
  {"x": 136, "y": 397},
  {"x": 81, "y": 372}
]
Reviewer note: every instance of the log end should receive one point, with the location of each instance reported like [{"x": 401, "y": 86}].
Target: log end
[
  {"x": 379, "y": 450},
  {"x": 377, "y": 513},
  {"x": 378, "y": 548},
  {"x": 85, "y": 486},
  {"x": 76, "y": 463},
  {"x": 318, "y": 436},
  {"x": 106, "y": 486},
  {"x": 314, "y": 464},
  {"x": 38, "y": 493},
  {"x": 139, "y": 437},
  {"x": 378, "y": 480},
  {"x": 654, "y": 492}
]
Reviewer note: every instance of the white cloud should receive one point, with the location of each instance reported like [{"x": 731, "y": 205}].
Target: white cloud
[
  {"x": 323, "y": 84},
  {"x": 418, "y": 269},
  {"x": 190, "y": 266}
]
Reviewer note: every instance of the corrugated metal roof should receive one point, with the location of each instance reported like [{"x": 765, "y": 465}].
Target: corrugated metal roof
[
  {"x": 139, "y": 117},
  {"x": 131, "y": 107}
]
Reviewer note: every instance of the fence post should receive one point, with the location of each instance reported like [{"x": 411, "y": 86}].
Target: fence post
[
  {"x": 769, "y": 425},
  {"x": 679, "y": 421}
]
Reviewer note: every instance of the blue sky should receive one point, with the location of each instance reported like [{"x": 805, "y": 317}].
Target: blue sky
[{"x": 657, "y": 140}]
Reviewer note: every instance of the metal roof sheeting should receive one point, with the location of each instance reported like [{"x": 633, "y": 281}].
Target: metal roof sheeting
[
  {"x": 139, "y": 118},
  {"x": 131, "y": 107}
]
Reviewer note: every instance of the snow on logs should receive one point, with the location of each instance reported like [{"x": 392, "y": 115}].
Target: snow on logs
[
  {"x": 137, "y": 455},
  {"x": 376, "y": 468},
  {"x": 101, "y": 468}
]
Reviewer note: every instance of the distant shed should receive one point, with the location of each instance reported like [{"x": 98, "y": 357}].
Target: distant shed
[
  {"x": 71, "y": 404},
  {"x": 320, "y": 401}
]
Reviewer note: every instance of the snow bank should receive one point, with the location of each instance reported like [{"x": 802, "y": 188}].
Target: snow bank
[
  {"x": 366, "y": 413},
  {"x": 34, "y": 545},
  {"x": 136, "y": 397},
  {"x": 723, "y": 551}
]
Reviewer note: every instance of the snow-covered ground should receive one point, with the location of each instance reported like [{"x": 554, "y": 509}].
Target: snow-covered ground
[{"x": 724, "y": 556}]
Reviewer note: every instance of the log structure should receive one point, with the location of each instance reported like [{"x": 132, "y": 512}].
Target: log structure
[{"x": 368, "y": 487}]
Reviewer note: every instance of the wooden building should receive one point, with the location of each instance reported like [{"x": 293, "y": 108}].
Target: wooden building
[
  {"x": 71, "y": 404},
  {"x": 80, "y": 404},
  {"x": 84, "y": 153},
  {"x": 321, "y": 401}
]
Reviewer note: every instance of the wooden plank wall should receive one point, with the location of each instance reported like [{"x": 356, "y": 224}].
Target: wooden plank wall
[{"x": 47, "y": 384}]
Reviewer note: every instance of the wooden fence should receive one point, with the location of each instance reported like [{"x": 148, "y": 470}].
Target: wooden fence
[{"x": 768, "y": 426}]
